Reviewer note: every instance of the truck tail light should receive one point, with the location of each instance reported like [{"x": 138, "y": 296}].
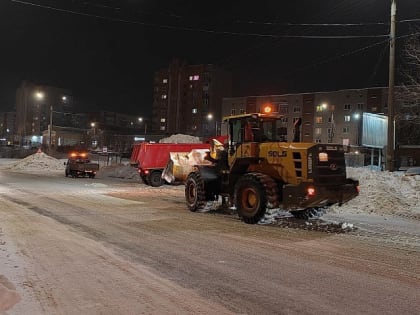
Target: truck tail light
[{"x": 310, "y": 191}]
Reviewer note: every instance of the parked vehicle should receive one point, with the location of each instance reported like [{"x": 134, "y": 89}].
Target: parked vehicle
[
  {"x": 152, "y": 158},
  {"x": 79, "y": 165}
]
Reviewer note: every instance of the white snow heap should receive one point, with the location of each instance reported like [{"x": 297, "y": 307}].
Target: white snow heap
[
  {"x": 383, "y": 193},
  {"x": 180, "y": 138},
  {"x": 38, "y": 162}
]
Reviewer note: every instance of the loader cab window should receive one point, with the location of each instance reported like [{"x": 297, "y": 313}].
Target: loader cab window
[{"x": 236, "y": 136}]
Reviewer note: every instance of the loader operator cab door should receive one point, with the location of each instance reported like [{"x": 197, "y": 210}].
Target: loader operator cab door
[{"x": 240, "y": 131}]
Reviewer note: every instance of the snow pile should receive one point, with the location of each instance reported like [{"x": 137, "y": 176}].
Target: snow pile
[
  {"x": 180, "y": 138},
  {"x": 37, "y": 163},
  {"x": 119, "y": 171},
  {"x": 383, "y": 193}
]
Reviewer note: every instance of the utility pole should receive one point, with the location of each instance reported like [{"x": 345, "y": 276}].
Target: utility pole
[
  {"x": 50, "y": 133},
  {"x": 391, "y": 116}
]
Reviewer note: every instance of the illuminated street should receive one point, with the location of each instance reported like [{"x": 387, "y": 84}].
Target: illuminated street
[{"x": 113, "y": 247}]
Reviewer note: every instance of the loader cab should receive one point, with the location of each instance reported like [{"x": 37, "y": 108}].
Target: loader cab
[{"x": 253, "y": 128}]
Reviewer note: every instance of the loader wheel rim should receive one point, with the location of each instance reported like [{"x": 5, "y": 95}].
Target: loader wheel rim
[
  {"x": 249, "y": 201},
  {"x": 191, "y": 193}
]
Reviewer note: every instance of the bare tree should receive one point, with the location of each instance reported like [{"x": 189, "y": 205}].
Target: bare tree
[{"x": 408, "y": 93}]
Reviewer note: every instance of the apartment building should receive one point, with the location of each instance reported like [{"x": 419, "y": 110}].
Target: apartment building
[
  {"x": 188, "y": 98},
  {"x": 328, "y": 117}
]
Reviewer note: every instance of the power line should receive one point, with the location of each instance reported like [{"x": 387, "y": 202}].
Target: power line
[
  {"x": 322, "y": 24},
  {"x": 190, "y": 29},
  {"x": 336, "y": 57},
  {"x": 309, "y": 24}
]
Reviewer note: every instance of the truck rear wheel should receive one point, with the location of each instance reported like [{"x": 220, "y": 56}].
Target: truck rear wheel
[
  {"x": 155, "y": 179},
  {"x": 195, "y": 195},
  {"x": 254, "y": 192}
]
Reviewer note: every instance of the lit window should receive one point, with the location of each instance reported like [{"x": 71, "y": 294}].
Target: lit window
[
  {"x": 318, "y": 131},
  {"x": 196, "y": 77},
  {"x": 165, "y": 81},
  {"x": 162, "y": 127},
  {"x": 164, "y": 96},
  {"x": 318, "y": 119},
  {"x": 194, "y": 110},
  {"x": 347, "y": 118},
  {"x": 319, "y": 108},
  {"x": 163, "y": 120},
  {"x": 191, "y": 77}
]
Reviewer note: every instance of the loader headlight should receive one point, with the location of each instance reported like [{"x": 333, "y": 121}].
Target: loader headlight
[{"x": 323, "y": 157}]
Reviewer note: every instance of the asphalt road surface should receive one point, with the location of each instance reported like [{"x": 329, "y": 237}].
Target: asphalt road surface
[{"x": 96, "y": 246}]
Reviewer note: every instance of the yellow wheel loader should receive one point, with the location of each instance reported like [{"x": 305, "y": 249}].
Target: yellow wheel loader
[{"x": 256, "y": 170}]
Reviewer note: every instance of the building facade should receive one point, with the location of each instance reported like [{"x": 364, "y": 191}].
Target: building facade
[
  {"x": 188, "y": 98},
  {"x": 7, "y": 127},
  {"x": 327, "y": 117}
]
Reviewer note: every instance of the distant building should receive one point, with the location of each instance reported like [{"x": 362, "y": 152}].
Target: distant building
[
  {"x": 188, "y": 98},
  {"x": 115, "y": 131},
  {"x": 328, "y": 117},
  {"x": 336, "y": 117},
  {"x": 36, "y": 105},
  {"x": 7, "y": 127}
]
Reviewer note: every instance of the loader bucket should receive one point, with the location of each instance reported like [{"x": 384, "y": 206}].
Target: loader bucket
[{"x": 181, "y": 164}]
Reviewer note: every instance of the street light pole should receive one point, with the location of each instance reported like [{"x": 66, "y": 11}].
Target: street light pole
[
  {"x": 50, "y": 131},
  {"x": 390, "y": 139},
  {"x": 145, "y": 126}
]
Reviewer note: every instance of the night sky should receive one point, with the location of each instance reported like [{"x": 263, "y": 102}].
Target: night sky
[{"x": 107, "y": 52}]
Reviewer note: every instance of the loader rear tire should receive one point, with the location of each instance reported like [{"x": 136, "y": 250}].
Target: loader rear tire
[
  {"x": 251, "y": 198},
  {"x": 195, "y": 195}
]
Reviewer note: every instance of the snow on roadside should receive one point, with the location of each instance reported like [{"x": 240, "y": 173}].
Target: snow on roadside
[
  {"x": 37, "y": 163},
  {"x": 383, "y": 193}
]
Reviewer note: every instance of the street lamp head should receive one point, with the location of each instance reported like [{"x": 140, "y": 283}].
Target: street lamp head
[
  {"x": 39, "y": 95},
  {"x": 356, "y": 116},
  {"x": 140, "y": 119},
  {"x": 209, "y": 116},
  {"x": 92, "y": 125},
  {"x": 324, "y": 105},
  {"x": 64, "y": 98}
]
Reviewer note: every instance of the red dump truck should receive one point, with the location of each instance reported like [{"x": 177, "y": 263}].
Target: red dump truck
[{"x": 152, "y": 158}]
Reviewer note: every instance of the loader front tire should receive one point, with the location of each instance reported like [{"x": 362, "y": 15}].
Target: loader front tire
[
  {"x": 250, "y": 198},
  {"x": 195, "y": 195}
]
